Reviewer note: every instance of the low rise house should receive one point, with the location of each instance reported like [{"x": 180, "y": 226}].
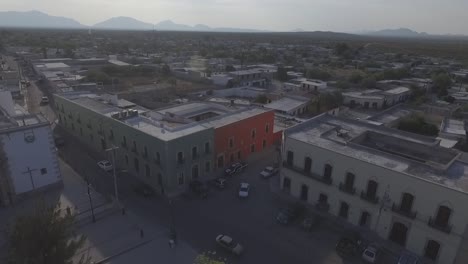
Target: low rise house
[
  {"x": 28, "y": 160},
  {"x": 290, "y": 105},
  {"x": 376, "y": 99}
]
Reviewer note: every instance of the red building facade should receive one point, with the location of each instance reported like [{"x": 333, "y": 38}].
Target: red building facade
[{"x": 237, "y": 140}]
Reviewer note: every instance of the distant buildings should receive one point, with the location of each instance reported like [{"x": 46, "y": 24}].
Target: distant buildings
[
  {"x": 303, "y": 84},
  {"x": 28, "y": 160},
  {"x": 383, "y": 180},
  {"x": 166, "y": 148},
  {"x": 376, "y": 99}
]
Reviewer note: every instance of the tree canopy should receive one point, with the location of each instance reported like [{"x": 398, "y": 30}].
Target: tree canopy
[
  {"x": 44, "y": 237},
  {"x": 417, "y": 124}
]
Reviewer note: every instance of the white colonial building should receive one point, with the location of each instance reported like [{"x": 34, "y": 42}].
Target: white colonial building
[
  {"x": 28, "y": 160},
  {"x": 401, "y": 186}
]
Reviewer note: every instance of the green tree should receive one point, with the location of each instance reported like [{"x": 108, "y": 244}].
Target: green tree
[
  {"x": 341, "y": 48},
  {"x": 47, "y": 236},
  {"x": 261, "y": 99},
  {"x": 355, "y": 78},
  {"x": 368, "y": 82},
  {"x": 230, "y": 68},
  {"x": 282, "y": 74},
  {"x": 206, "y": 259},
  {"x": 315, "y": 73},
  {"x": 98, "y": 76},
  {"x": 441, "y": 81},
  {"x": 165, "y": 70},
  {"x": 417, "y": 124}
]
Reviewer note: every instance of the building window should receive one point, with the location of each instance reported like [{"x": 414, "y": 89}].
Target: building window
[
  {"x": 432, "y": 250},
  {"x": 239, "y": 155},
  {"x": 181, "y": 178},
  {"x": 371, "y": 189},
  {"x": 194, "y": 152},
  {"x": 111, "y": 135},
  {"x": 207, "y": 166},
  {"x": 195, "y": 172},
  {"x": 443, "y": 216},
  {"x": 134, "y": 149},
  {"x": 286, "y": 184},
  {"x": 136, "y": 164},
  {"x": 365, "y": 219},
  {"x": 159, "y": 179},
  {"x": 267, "y": 128},
  {"x": 327, "y": 172},
  {"x": 344, "y": 209},
  {"x": 207, "y": 147},
  {"x": 304, "y": 192},
  {"x": 43, "y": 171},
  {"x": 147, "y": 171},
  {"x": 231, "y": 142},
  {"x": 124, "y": 141},
  {"x": 253, "y": 133},
  {"x": 349, "y": 182},
  {"x": 406, "y": 203},
  {"x": 158, "y": 158},
  {"x": 126, "y": 159},
  {"x": 308, "y": 165},
  {"x": 180, "y": 157},
  {"x": 290, "y": 158},
  {"x": 264, "y": 144},
  {"x": 145, "y": 153},
  {"x": 252, "y": 148},
  {"x": 221, "y": 161}
]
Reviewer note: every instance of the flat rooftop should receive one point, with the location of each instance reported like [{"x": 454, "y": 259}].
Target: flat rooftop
[
  {"x": 367, "y": 94},
  {"x": 22, "y": 119},
  {"x": 165, "y": 123},
  {"x": 397, "y": 90},
  {"x": 287, "y": 104},
  {"x": 396, "y": 150}
]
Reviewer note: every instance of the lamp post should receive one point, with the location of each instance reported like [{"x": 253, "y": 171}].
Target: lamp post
[
  {"x": 90, "y": 200},
  {"x": 385, "y": 200},
  {"x": 116, "y": 191}
]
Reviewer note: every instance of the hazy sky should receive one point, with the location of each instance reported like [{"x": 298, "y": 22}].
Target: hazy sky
[{"x": 433, "y": 16}]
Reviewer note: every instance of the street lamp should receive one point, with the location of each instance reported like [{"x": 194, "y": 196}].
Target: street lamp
[
  {"x": 90, "y": 199},
  {"x": 116, "y": 191}
]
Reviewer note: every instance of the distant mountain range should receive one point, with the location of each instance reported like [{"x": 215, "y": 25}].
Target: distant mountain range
[
  {"x": 37, "y": 19},
  {"x": 408, "y": 33}
]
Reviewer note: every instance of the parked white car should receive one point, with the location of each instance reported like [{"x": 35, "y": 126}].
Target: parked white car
[
  {"x": 268, "y": 172},
  {"x": 370, "y": 254},
  {"x": 244, "y": 190},
  {"x": 105, "y": 165}
]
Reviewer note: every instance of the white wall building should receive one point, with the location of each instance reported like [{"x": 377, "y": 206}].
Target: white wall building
[
  {"x": 28, "y": 160},
  {"x": 351, "y": 169},
  {"x": 376, "y": 99},
  {"x": 304, "y": 84},
  {"x": 290, "y": 105}
]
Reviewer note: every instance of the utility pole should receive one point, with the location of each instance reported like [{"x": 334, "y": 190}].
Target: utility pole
[
  {"x": 383, "y": 203},
  {"x": 116, "y": 191},
  {"x": 29, "y": 171},
  {"x": 90, "y": 200}
]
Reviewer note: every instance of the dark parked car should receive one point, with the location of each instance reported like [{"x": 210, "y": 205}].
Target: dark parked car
[
  {"x": 219, "y": 183},
  {"x": 144, "y": 190},
  {"x": 199, "y": 188},
  {"x": 290, "y": 214},
  {"x": 310, "y": 223},
  {"x": 235, "y": 168}
]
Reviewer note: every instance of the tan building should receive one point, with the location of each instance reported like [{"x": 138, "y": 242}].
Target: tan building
[{"x": 402, "y": 186}]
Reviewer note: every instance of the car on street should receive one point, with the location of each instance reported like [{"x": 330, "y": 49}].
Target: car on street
[
  {"x": 310, "y": 223},
  {"x": 235, "y": 168},
  {"x": 346, "y": 247},
  {"x": 229, "y": 244},
  {"x": 44, "y": 100},
  {"x": 408, "y": 258},
  {"x": 199, "y": 188},
  {"x": 219, "y": 183},
  {"x": 244, "y": 189},
  {"x": 290, "y": 214},
  {"x": 144, "y": 190},
  {"x": 105, "y": 165},
  {"x": 370, "y": 254},
  {"x": 268, "y": 172}
]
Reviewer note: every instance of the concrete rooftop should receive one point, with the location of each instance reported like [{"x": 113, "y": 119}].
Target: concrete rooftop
[{"x": 396, "y": 150}]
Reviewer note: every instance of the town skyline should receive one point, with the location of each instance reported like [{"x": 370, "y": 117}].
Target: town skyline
[{"x": 318, "y": 15}]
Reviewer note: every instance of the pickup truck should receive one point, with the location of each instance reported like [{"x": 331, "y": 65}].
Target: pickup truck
[{"x": 235, "y": 168}]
